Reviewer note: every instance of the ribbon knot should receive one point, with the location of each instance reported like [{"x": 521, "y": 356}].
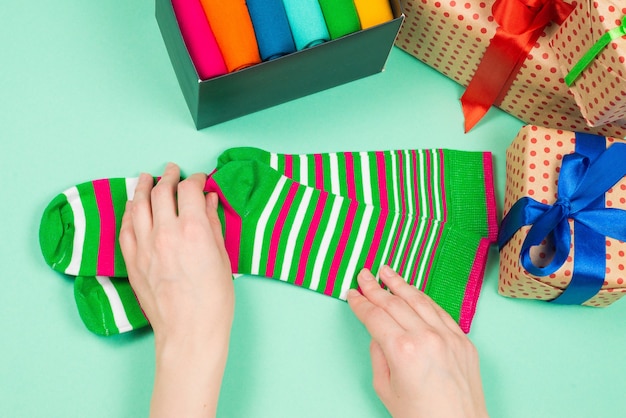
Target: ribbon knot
[
  {"x": 520, "y": 23},
  {"x": 565, "y": 203},
  {"x": 580, "y": 197}
]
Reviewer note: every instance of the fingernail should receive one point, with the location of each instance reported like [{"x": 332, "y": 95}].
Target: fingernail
[
  {"x": 143, "y": 177},
  {"x": 213, "y": 200},
  {"x": 365, "y": 274},
  {"x": 386, "y": 271},
  {"x": 352, "y": 293}
]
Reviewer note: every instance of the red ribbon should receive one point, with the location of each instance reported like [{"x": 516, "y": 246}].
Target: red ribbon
[{"x": 521, "y": 22}]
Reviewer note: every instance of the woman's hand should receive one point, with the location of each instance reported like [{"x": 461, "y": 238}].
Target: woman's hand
[
  {"x": 174, "y": 251},
  {"x": 423, "y": 364}
]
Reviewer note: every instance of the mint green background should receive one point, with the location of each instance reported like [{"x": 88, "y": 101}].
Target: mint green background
[{"x": 87, "y": 91}]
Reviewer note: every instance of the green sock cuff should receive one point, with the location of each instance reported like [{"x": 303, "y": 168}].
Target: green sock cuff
[
  {"x": 457, "y": 275},
  {"x": 470, "y": 192}
]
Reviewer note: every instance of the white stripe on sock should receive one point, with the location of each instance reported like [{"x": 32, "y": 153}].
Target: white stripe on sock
[
  {"x": 331, "y": 228},
  {"x": 274, "y": 161},
  {"x": 423, "y": 187},
  {"x": 419, "y": 236},
  {"x": 262, "y": 224},
  {"x": 334, "y": 174},
  {"x": 304, "y": 170},
  {"x": 426, "y": 255},
  {"x": 356, "y": 251},
  {"x": 73, "y": 198},
  {"x": 293, "y": 233},
  {"x": 408, "y": 182},
  {"x": 131, "y": 185},
  {"x": 436, "y": 183},
  {"x": 117, "y": 307}
]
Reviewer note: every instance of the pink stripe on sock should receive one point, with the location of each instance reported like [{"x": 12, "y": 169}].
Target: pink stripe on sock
[
  {"x": 106, "y": 248},
  {"x": 319, "y": 172},
  {"x": 310, "y": 236},
  {"x": 350, "y": 175},
  {"x": 341, "y": 248},
  {"x": 278, "y": 229},
  {"x": 492, "y": 217},
  {"x": 442, "y": 186},
  {"x": 289, "y": 165},
  {"x": 474, "y": 285},
  {"x": 384, "y": 213},
  {"x": 232, "y": 225},
  {"x": 382, "y": 180}
]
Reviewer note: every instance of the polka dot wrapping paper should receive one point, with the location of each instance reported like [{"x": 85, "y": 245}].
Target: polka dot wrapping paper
[
  {"x": 600, "y": 91},
  {"x": 452, "y": 36},
  {"x": 533, "y": 164}
]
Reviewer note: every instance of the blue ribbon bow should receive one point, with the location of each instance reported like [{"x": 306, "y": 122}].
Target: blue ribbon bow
[{"x": 583, "y": 180}]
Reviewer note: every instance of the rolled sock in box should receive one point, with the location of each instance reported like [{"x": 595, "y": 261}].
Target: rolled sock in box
[
  {"x": 373, "y": 12},
  {"x": 271, "y": 27},
  {"x": 340, "y": 16},
  {"x": 233, "y": 31},
  {"x": 307, "y": 23},
  {"x": 199, "y": 39}
]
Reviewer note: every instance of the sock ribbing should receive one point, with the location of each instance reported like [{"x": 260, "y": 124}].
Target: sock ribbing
[{"x": 447, "y": 185}]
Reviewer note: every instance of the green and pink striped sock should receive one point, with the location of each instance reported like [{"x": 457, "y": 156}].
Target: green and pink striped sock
[
  {"x": 448, "y": 185},
  {"x": 79, "y": 229}
]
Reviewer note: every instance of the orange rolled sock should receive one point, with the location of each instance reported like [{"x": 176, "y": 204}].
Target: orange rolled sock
[
  {"x": 373, "y": 12},
  {"x": 233, "y": 31}
]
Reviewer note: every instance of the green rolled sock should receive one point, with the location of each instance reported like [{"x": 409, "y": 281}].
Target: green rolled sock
[{"x": 341, "y": 17}]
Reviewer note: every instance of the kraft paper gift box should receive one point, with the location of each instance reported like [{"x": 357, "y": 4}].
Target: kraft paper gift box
[
  {"x": 270, "y": 83},
  {"x": 453, "y": 37},
  {"x": 563, "y": 218},
  {"x": 600, "y": 89}
]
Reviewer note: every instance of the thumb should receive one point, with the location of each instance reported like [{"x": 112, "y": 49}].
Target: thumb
[{"x": 380, "y": 371}]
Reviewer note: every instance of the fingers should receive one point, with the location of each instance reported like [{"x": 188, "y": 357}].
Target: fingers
[
  {"x": 214, "y": 221},
  {"x": 128, "y": 241},
  {"x": 140, "y": 212},
  {"x": 378, "y": 322},
  {"x": 191, "y": 200},
  {"x": 380, "y": 369},
  {"x": 164, "y": 194},
  {"x": 396, "y": 307},
  {"x": 419, "y": 302}
]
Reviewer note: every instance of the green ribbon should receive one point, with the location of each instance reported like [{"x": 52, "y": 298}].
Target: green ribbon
[{"x": 593, "y": 52}]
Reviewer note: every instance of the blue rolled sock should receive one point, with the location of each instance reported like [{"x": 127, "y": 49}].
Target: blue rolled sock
[
  {"x": 308, "y": 26},
  {"x": 271, "y": 28}
]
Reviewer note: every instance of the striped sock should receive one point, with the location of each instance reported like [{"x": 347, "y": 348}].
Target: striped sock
[
  {"x": 447, "y": 185},
  {"x": 278, "y": 228},
  {"x": 314, "y": 239}
]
